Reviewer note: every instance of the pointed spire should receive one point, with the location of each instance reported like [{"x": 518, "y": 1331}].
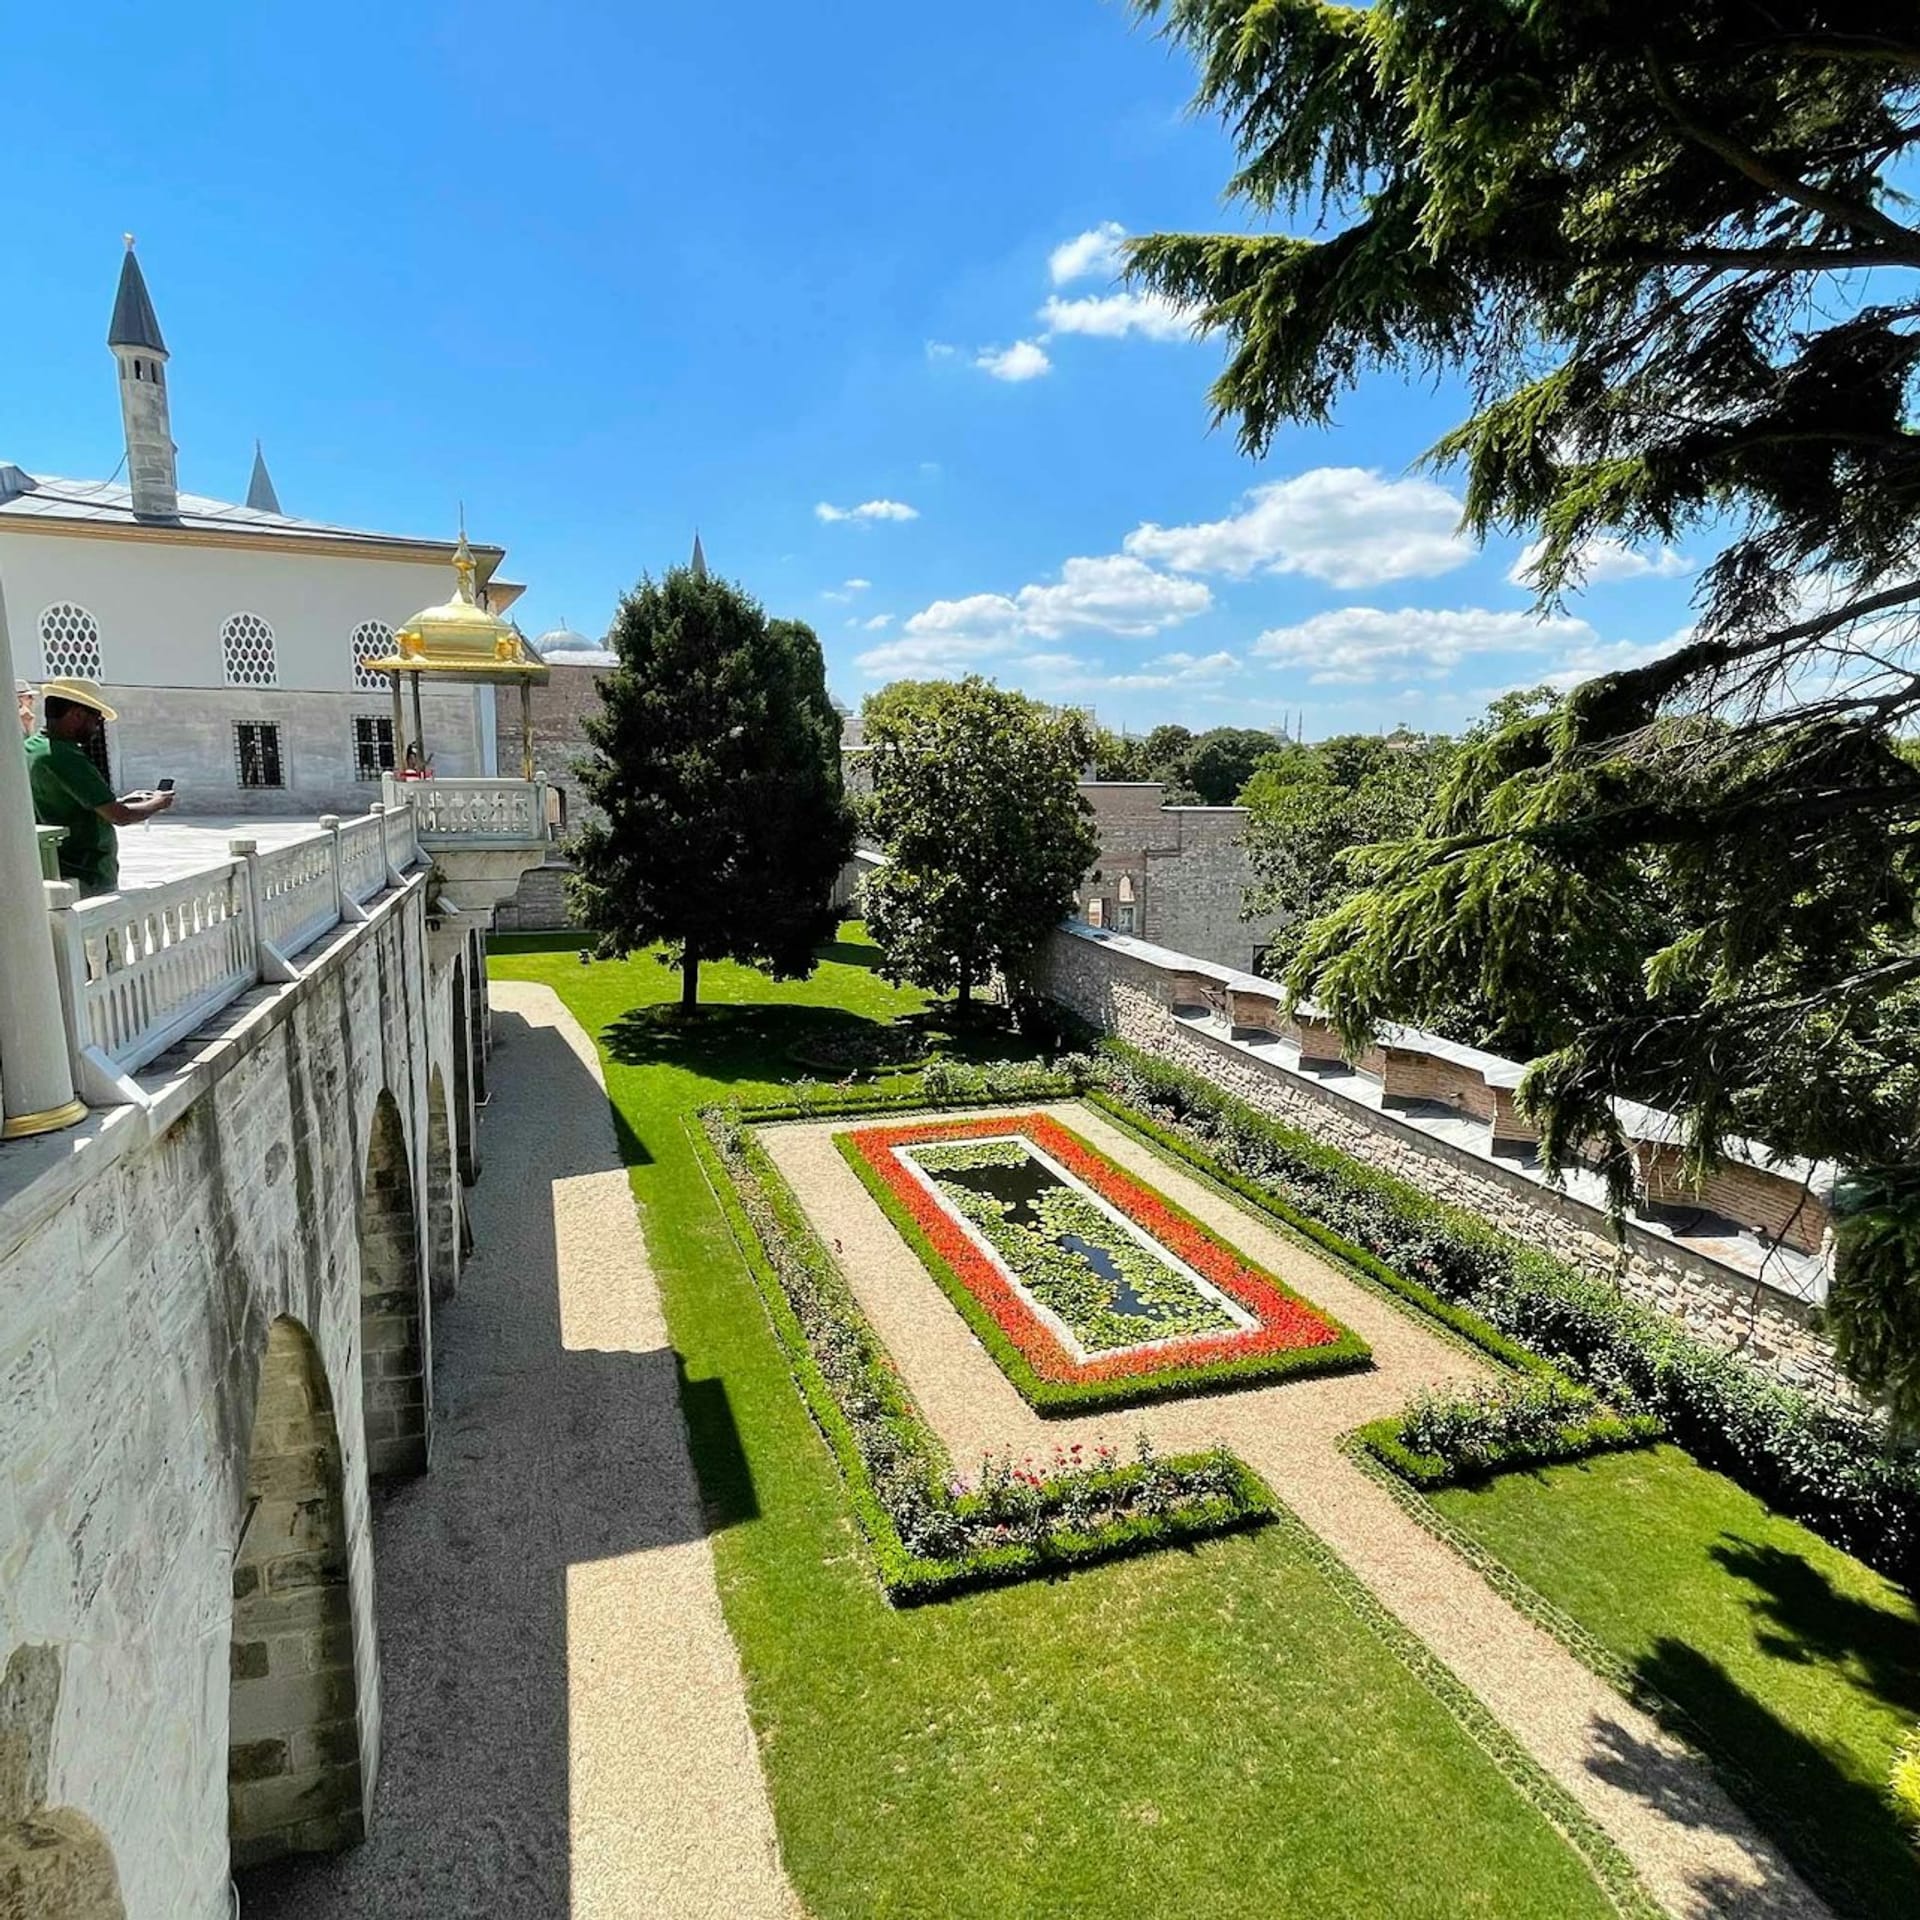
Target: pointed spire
[
  {"x": 134, "y": 323},
  {"x": 260, "y": 494},
  {"x": 699, "y": 560}
]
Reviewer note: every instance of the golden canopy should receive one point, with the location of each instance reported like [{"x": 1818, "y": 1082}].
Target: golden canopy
[{"x": 462, "y": 640}]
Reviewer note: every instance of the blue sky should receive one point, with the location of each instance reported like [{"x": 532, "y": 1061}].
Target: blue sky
[{"x": 606, "y": 272}]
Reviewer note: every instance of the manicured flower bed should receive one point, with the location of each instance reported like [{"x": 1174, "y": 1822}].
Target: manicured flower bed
[
  {"x": 1274, "y": 1333},
  {"x": 933, "y": 1533}
]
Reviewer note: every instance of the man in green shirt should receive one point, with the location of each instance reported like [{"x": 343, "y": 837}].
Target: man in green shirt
[{"x": 69, "y": 792}]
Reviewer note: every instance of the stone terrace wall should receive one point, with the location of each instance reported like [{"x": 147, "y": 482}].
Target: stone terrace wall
[
  {"x": 141, "y": 1267},
  {"x": 1133, "y": 997}
]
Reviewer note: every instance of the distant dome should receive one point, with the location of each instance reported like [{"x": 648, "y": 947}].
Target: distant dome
[{"x": 564, "y": 640}]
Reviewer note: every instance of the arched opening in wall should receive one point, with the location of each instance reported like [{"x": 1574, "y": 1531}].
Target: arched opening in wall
[
  {"x": 446, "y": 1240},
  {"x": 395, "y": 1332},
  {"x": 465, "y": 1158},
  {"x": 293, "y": 1758}
]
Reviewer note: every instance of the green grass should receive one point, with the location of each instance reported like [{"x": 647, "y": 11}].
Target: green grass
[
  {"x": 1227, "y": 1730},
  {"x": 1794, "y": 1662}
]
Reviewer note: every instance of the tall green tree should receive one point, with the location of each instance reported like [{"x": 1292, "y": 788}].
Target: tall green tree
[
  {"x": 1666, "y": 250},
  {"x": 1221, "y": 761},
  {"x": 975, "y": 801},
  {"x": 716, "y": 763}
]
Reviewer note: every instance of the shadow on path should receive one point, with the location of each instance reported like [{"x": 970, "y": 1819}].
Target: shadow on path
[{"x": 546, "y": 1456}]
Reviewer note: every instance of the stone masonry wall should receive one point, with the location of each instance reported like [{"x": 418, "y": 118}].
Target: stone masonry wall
[
  {"x": 1124, "y": 995},
  {"x": 139, "y": 1276}
]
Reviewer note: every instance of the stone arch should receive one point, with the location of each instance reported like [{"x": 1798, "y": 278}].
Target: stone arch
[
  {"x": 395, "y": 1354},
  {"x": 294, "y": 1781},
  {"x": 477, "y": 1035},
  {"x": 445, "y": 1238},
  {"x": 465, "y": 1156}
]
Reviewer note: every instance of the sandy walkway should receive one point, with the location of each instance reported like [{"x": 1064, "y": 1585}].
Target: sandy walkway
[
  {"x": 565, "y": 1728},
  {"x": 1697, "y": 1853}
]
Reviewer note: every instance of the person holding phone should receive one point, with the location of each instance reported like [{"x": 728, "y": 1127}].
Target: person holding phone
[{"x": 69, "y": 792}]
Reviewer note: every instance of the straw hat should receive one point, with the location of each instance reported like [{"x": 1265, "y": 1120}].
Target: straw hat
[{"x": 80, "y": 693}]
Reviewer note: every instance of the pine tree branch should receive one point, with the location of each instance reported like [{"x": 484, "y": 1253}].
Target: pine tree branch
[{"x": 1903, "y": 242}]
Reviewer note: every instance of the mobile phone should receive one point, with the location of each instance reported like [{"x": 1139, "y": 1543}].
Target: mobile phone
[{"x": 166, "y": 785}]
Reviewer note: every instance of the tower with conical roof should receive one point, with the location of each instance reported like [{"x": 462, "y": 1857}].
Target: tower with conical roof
[
  {"x": 135, "y": 338},
  {"x": 260, "y": 494}
]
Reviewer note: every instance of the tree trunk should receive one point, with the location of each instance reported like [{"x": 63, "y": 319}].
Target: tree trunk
[
  {"x": 689, "y": 982},
  {"x": 965, "y": 996}
]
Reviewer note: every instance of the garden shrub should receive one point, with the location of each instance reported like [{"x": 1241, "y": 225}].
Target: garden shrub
[
  {"x": 1904, "y": 1786},
  {"x": 1464, "y": 1434},
  {"x": 931, "y": 1533},
  {"x": 1835, "y": 1471}
]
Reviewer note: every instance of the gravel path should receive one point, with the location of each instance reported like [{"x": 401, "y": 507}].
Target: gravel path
[
  {"x": 1696, "y": 1852},
  {"x": 565, "y": 1725}
]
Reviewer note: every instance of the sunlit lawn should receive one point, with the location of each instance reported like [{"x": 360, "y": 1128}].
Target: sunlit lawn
[
  {"x": 1797, "y": 1662},
  {"x": 1211, "y": 1732}
]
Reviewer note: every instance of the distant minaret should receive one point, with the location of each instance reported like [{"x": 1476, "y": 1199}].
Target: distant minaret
[
  {"x": 699, "y": 560},
  {"x": 135, "y": 339},
  {"x": 260, "y": 494}
]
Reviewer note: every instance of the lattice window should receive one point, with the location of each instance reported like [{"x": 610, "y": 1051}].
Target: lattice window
[
  {"x": 372, "y": 746},
  {"x": 70, "y": 642},
  {"x": 256, "y": 753},
  {"x": 372, "y": 640},
  {"x": 246, "y": 641}
]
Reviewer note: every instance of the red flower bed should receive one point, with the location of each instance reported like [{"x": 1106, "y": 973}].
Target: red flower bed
[{"x": 1286, "y": 1324}]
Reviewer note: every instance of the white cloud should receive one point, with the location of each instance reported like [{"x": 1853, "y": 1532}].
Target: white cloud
[
  {"x": 1603, "y": 560},
  {"x": 1095, "y": 251},
  {"x": 1024, "y": 360},
  {"x": 878, "y": 624},
  {"x": 927, "y": 656},
  {"x": 1348, "y": 526},
  {"x": 1365, "y": 643},
  {"x": 941, "y": 350},
  {"x": 856, "y": 585},
  {"x": 1111, "y": 594},
  {"x": 1112, "y": 316},
  {"x": 867, "y": 510}
]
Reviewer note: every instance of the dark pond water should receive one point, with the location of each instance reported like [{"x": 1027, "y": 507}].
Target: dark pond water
[{"x": 1019, "y": 1190}]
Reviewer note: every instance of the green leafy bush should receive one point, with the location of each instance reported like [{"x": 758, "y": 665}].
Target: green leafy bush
[
  {"x": 1904, "y": 1786},
  {"x": 1443, "y": 1437},
  {"x": 932, "y": 1534},
  {"x": 1835, "y": 1471}
]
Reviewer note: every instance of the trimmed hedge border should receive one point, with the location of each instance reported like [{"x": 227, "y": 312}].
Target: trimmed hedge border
[
  {"x": 1607, "y": 1433},
  {"x": 929, "y": 1541},
  {"x": 1064, "y": 1397},
  {"x": 1832, "y": 1471}
]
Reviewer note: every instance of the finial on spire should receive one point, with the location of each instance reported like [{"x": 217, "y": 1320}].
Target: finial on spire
[
  {"x": 463, "y": 566},
  {"x": 128, "y": 238}
]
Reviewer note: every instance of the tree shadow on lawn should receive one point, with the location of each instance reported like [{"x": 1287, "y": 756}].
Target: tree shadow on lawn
[
  {"x": 1838, "y": 1829},
  {"x": 728, "y": 1041},
  {"x": 1811, "y": 1622}
]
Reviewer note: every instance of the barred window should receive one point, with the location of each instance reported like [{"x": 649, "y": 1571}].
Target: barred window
[
  {"x": 246, "y": 644},
  {"x": 372, "y": 640},
  {"x": 70, "y": 642},
  {"x": 256, "y": 753},
  {"x": 372, "y": 746}
]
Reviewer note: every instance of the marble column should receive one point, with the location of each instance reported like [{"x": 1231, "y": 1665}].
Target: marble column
[{"x": 36, "y": 1081}]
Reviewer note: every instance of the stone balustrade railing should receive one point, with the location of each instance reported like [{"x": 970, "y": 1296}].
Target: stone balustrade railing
[
  {"x": 141, "y": 970},
  {"x": 457, "y": 813}
]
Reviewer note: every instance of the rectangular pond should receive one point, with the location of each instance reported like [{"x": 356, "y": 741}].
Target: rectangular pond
[{"x": 1099, "y": 1280}]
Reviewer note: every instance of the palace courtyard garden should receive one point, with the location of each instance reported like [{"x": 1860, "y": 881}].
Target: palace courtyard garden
[{"x": 1182, "y": 1644}]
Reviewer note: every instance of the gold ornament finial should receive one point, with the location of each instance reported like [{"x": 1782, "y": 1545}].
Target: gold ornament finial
[{"x": 463, "y": 564}]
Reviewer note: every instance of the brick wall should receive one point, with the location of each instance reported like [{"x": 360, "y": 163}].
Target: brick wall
[
  {"x": 1133, "y": 997},
  {"x": 559, "y": 737}
]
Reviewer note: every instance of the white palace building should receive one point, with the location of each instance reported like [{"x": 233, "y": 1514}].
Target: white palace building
[{"x": 233, "y": 640}]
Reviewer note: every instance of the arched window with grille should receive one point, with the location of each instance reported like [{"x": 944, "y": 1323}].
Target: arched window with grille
[
  {"x": 70, "y": 642},
  {"x": 372, "y": 640},
  {"x": 246, "y": 645}
]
